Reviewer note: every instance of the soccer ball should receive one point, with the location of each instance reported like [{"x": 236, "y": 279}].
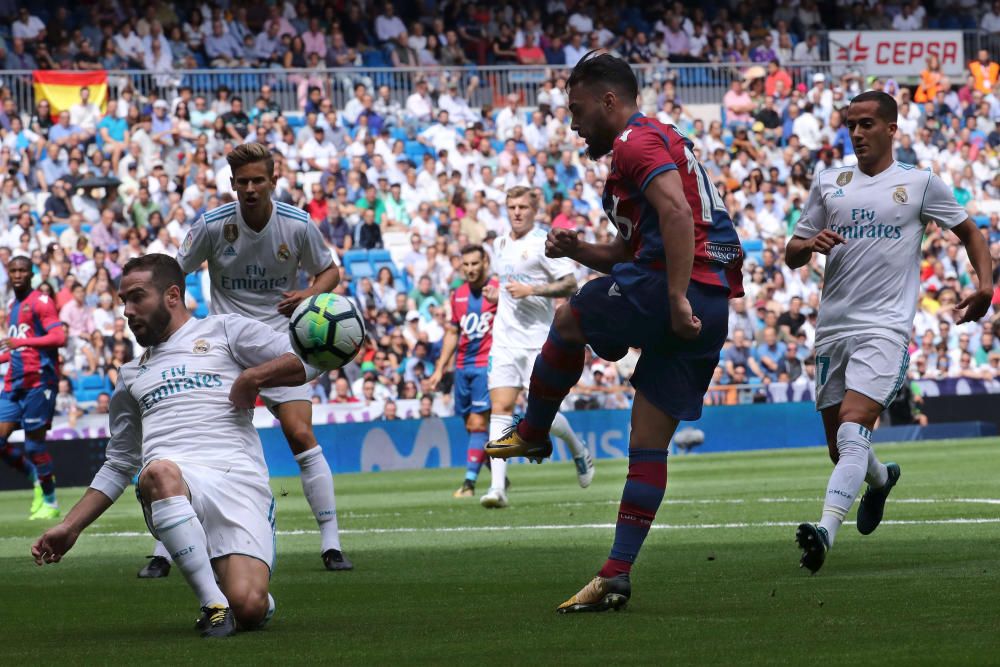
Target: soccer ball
[{"x": 326, "y": 331}]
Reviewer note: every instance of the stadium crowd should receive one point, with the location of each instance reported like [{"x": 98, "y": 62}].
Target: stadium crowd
[{"x": 84, "y": 192}]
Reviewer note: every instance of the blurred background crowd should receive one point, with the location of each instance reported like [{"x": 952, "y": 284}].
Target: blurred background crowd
[{"x": 397, "y": 180}]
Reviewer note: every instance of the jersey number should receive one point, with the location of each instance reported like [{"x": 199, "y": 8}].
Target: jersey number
[
  {"x": 624, "y": 225},
  {"x": 18, "y": 331},
  {"x": 824, "y": 367},
  {"x": 711, "y": 200},
  {"x": 476, "y": 325}
]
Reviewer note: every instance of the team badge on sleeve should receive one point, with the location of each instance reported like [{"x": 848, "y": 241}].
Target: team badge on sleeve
[
  {"x": 899, "y": 195},
  {"x": 188, "y": 241},
  {"x": 230, "y": 232},
  {"x": 284, "y": 253}
]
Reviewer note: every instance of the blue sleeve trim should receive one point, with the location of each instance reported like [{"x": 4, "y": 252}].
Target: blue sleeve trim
[{"x": 656, "y": 172}]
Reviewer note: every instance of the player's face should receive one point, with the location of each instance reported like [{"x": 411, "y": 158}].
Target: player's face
[
  {"x": 521, "y": 214},
  {"x": 474, "y": 265},
  {"x": 145, "y": 308},
  {"x": 19, "y": 274},
  {"x": 870, "y": 135},
  {"x": 590, "y": 121},
  {"x": 253, "y": 185}
]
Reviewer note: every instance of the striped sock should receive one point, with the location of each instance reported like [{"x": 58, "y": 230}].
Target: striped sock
[
  {"x": 13, "y": 455},
  {"x": 39, "y": 456},
  {"x": 644, "y": 488},
  {"x": 557, "y": 368},
  {"x": 477, "y": 443}
]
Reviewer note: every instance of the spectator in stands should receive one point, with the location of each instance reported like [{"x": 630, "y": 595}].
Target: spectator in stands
[
  {"x": 368, "y": 235},
  {"x": 738, "y": 106},
  {"x": 223, "y": 49},
  {"x": 768, "y": 353},
  {"x": 77, "y": 314},
  {"x": 985, "y": 72},
  {"x": 103, "y": 405}
]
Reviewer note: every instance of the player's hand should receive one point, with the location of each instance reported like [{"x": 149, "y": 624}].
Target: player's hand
[
  {"x": 433, "y": 381},
  {"x": 53, "y": 544},
  {"x": 243, "y": 393},
  {"x": 291, "y": 301},
  {"x": 682, "y": 319},
  {"x": 519, "y": 290},
  {"x": 561, "y": 243},
  {"x": 825, "y": 241},
  {"x": 491, "y": 293},
  {"x": 11, "y": 344},
  {"x": 975, "y": 306}
]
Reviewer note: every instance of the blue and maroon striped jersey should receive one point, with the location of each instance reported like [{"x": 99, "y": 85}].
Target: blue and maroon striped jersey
[
  {"x": 32, "y": 367},
  {"x": 473, "y": 315}
]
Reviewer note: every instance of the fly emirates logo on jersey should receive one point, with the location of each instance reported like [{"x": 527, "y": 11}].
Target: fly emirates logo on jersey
[
  {"x": 865, "y": 225},
  {"x": 177, "y": 380},
  {"x": 255, "y": 279}
]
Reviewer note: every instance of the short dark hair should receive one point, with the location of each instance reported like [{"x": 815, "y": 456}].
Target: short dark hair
[
  {"x": 21, "y": 258},
  {"x": 473, "y": 247},
  {"x": 165, "y": 270},
  {"x": 888, "y": 110},
  {"x": 605, "y": 69}
]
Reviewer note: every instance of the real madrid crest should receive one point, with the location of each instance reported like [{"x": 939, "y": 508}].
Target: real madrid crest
[
  {"x": 188, "y": 242},
  {"x": 201, "y": 346},
  {"x": 844, "y": 178},
  {"x": 283, "y": 252},
  {"x": 899, "y": 195},
  {"x": 230, "y": 232}
]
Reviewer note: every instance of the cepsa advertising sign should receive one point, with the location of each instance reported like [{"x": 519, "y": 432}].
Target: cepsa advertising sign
[{"x": 898, "y": 53}]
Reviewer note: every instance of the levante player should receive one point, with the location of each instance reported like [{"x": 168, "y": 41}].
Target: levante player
[
  {"x": 28, "y": 400},
  {"x": 671, "y": 269},
  {"x": 471, "y": 334}
]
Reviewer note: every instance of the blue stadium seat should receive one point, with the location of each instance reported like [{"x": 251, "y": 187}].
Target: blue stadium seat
[
  {"x": 753, "y": 245},
  {"x": 982, "y": 221},
  {"x": 380, "y": 258},
  {"x": 357, "y": 265}
]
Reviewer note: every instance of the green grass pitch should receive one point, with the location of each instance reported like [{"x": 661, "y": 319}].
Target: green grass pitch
[{"x": 443, "y": 581}]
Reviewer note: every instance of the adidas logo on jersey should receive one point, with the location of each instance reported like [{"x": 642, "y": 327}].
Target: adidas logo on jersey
[
  {"x": 838, "y": 193},
  {"x": 613, "y": 290},
  {"x": 230, "y": 251}
]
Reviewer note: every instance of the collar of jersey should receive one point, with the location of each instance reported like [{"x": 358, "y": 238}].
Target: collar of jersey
[{"x": 633, "y": 117}]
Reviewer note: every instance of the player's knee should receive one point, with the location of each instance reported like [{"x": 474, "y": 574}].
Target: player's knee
[
  {"x": 300, "y": 437},
  {"x": 566, "y": 324},
  {"x": 161, "y": 479},
  {"x": 249, "y": 607}
]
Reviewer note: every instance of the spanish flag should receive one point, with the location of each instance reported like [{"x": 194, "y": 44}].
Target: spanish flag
[{"x": 62, "y": 88}]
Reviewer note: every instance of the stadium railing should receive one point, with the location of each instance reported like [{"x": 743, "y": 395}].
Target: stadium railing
[{"x": 695, "y": 83}]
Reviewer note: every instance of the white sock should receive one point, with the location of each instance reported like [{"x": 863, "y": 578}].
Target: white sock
[
  {"x": 184, "y": 537},
  {"x": 317, "y": 482},
  {"x": 161, "y": 551},
  {"x": 878, "y": 474},
  {"x": 853, "y": 443},
  {"x": 562, "y": 430},
  {"x": 498, "y": 467}
]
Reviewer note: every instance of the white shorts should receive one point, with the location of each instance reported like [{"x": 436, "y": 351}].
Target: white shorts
[
  {"x": 236, "y": 509},
  {"x": 875, "y": 368},
  {"x": 510, "y": 367},
  {"x": 274, "y": 396}
]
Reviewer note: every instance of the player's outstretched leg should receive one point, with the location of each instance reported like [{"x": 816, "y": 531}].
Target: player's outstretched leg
[
  {"x": 40, "y": 458},
  {"x": 173, "y": 520},
  {"x": 872, "y": 506},
  {"x": 557, "y": 368},
  {"x": 317, "y": 483},
  {"x": 853, "y": 443},
  {"x": 13, "y": 455},
  {"x": 474, "y": 462},
  {"x": 158, "y": 565},
  {"x": 581, "y": 456},
  {"x": 641, "y": 498}
]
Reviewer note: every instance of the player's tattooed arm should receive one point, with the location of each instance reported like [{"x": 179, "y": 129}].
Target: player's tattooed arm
[{"x": 564, "y": 286}]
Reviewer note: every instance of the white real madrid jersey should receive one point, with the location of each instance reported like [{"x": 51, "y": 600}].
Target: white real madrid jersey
[
  {"x": 872, "y": 281},
  {"x": 249, "y": 270},
  {"x": 173, "y": 401},
  {"x": 524, "y": 323}
]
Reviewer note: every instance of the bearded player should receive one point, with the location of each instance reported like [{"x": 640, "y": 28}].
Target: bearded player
[
  {"x": 471, "y": 334},
  {"x": 254, "y": 248},
  {"x": 28, "y": 400},
  {"x": 672, "y": 268}
]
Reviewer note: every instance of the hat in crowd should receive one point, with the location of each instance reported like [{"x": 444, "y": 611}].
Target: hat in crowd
[
  {"x": 112, "y": 247},
  {"x": 807, "y": 311},
  {"x": 760, "y": 304},
  {"x": 412, "y": 315},
  {"x": 758, "y": 127},
  {"x": 949, "y": 274},
  {"x": 818, "y": 77},
  {"x": 368, "y": 366},
  {"x": 157, "y": 164},
  {"x": 161, "y": 104}
]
